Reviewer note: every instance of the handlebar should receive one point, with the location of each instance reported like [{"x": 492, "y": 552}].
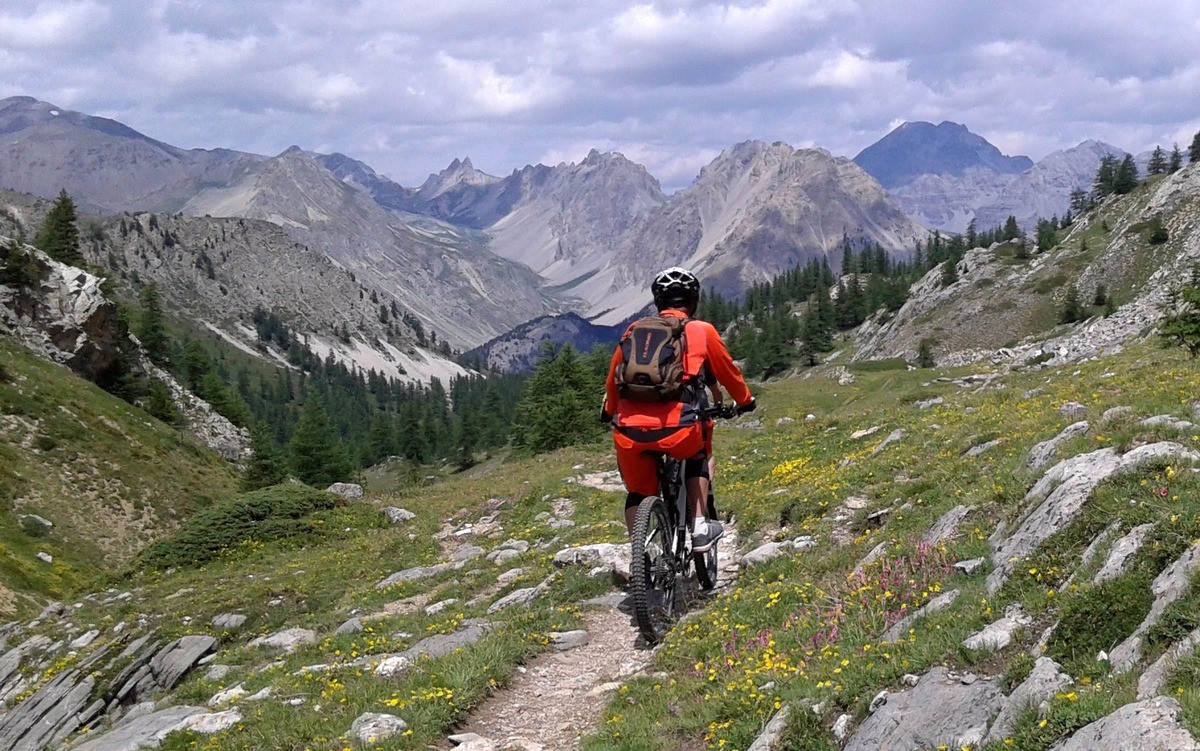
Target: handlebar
[{"x": 723, "y": 411}]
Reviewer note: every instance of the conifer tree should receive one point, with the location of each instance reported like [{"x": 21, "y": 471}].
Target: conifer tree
[
  {"x": 149, "y": 329},
  {"x": 1158, "y": 162},
  {"x": 265, "y": 466},
  {"x": 925, "y": 354},
  {"x": 1176, "y": 162},
  {"x": 1126, "y": 178},
  {"x": 59, "y": 235},
  {"x": 559, "y": 406},
  {"x": 158, "y": 403},
  {"x": 316, "y": 455},
  {"x": 1194, "y": 149},
  {"x": 1072, "y": 309},
  {"x": 19, "y": 269}
]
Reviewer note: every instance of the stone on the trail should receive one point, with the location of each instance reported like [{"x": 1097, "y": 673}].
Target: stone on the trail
[
  {"x": 773, "y": 731},
  {"x": 439, "y": 606},
  {"x": 352, "y": 626},
  {"x": 229, "y": 621},
  {"x": 900, "y": 628},
  {"x": 1154, "y": 679},
  {"x": 467, "y": 552},
  {"x": 415, "y": 573},
  {"x": 398, "y": 515},
  {"x": 894, "y": 436},
  {"x": 1170, "y": 422},
  {"x": 348, "y": 490},
  {"x": 1167, "y": 587},
  {"x": 981, "y": 448},
  {"x": 1044, "y": 452},
  {"x": 173, "y": 661},
  {"x": 503, "y": 556},
  {"x": 217, "y": 673},
  {"x": 841, "y": 727},
  {"x": 946, "y": 527},
  {"x": 1150, "y": 725},
  {"x": 565, "y": 640},
  {"x": 1073, "y": 411},
  {"x": 939, "y": 709},
  {"x": 85, "y": 639},
  {"x": 1062, "y": 492},
  {"x": 143, "y": 732},
  {"x": 969, "y": 566},
  {"x": 373, "y": 727},
  {"x": 510, "y": 576},
  {"x": 768, "y": 551},
  {"x": 228, "y": 696},
  {"x": 1122, "y": 553},
  {"x": 612, "y": 556},
  {"x": 459, "y": 739},
  {"x": 431, "y": 646},
  {"x": 1043, "y": 682},
  {"x": 999, "y": 634},
  {"x": 287, "y": 640},
  {"x": 209, "y": 724},
  {"x": 522, "y": 596}
]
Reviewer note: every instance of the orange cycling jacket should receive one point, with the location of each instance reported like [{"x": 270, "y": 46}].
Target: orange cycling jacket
[{"x": 704, "y": 348}]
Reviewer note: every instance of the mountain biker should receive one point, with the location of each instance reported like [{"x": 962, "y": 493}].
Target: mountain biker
[{"x": 677, "y": 428}]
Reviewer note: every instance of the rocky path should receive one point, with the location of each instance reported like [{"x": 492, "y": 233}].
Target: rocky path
[{"x": 560, "y": 697}]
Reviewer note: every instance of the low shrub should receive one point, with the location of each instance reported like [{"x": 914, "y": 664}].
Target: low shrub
[{"x": 281, "y": 512}]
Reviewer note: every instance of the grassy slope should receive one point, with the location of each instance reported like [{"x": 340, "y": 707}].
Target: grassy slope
[
  {"x": 107, "y": 475},
  {"x": 795, "y": 630}
]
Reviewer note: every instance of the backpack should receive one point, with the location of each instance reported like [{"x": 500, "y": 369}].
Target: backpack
[{"x": 652, "y": 354}]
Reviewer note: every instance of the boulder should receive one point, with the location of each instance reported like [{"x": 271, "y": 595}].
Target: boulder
[
  {"x": 1150, "y": 725},
  {"x": 229, "y": 621},
  {"x": 899, "y": 629},
  {"x": 348, "y": 490},
  {"x": 1173, "y": 583},
  {"x": 288, "y": 640},
  {"x": 1043, "y": 682},
  {"x": 1122, "y": 553},
  {"x": 941, "y": 708},
  {"x": 1154, "y": 679},
  {"x": 372, "y": 727},
  {"x": 946, "y": 526},
  {"x": 770, "y": 735},
  {"x": 611, "y": 556},
  {"x": 143, "y": 732},
  {"x": 999, "y": 634},
  {"x": 1044, "y": 452},
  {"x": 398, "y": 515}
]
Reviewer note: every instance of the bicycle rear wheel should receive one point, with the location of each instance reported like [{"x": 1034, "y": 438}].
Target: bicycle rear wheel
[{"x": 652, "y": 569}]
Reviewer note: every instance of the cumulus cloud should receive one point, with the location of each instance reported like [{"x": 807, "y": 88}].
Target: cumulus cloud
[{"x": 407, "y": 87}]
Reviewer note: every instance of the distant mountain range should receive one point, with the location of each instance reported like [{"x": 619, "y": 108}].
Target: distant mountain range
[
  {"x": 943, "y": 176},
  {"x": 472, "y": 256}
]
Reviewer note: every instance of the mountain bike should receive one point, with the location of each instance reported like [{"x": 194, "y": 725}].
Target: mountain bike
[{"x": 661, "y": 545}]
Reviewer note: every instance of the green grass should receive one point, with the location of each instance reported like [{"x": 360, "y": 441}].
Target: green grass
[
  {"x": 108, "y": 476},
  {"x": 797, "y": 631}
]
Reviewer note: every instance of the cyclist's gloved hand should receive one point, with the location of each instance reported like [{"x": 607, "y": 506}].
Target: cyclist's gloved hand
[
  {"x": 749, "y": 406},
  {"x": 605, "y": 418}
]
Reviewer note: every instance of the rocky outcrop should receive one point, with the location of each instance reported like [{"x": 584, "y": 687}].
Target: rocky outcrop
[
  {"x": 1148, "y": 725},
  {"x": 64, "y": 317}
]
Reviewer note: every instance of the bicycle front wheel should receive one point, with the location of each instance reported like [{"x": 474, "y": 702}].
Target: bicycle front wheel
[{"x": 652, "y": 569}]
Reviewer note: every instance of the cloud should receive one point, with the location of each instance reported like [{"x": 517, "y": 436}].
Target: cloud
[{"x": 407, "y": 87}]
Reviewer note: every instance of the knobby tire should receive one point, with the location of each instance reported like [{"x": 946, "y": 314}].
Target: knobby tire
[{"x": 651, "y": 568}]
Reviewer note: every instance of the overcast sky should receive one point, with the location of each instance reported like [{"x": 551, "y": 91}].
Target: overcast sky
[{"x": 408, "y": 85}]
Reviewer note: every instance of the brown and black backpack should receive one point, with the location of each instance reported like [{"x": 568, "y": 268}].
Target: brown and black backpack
[{"x": 652, "y": 353}]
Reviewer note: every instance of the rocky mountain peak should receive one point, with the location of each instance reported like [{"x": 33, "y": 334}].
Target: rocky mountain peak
[{"x": 918, "y": 148}]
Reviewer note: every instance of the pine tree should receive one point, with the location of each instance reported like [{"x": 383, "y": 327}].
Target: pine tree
[
  {"x": 559, "y": 406},
  {"x": 1106, "y": 177},
  {"x": 266, "y": 466},
  {"x": 59, "y": 235},
  {"x": 158, "y": 403},
  {"x": 1194, "y": 149},
  {"x": 1011, "y": 229},
  {"x": 150, "y": 330},
  {"x": 19, "y": 269},
  {"x": 925, "y": 354},
  {"x": 1126, "y": 178},
  {"x": 949, "y": 272},
  {"x": 1101, "y": 296},
  {"x": 1072, "y": 309},
  {"x": 317, "y": 456},
  {"x": 1176, "y": 162},
  {"x": 1158, "y": 162}
]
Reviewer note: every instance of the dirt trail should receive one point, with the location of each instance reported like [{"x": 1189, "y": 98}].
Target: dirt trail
[{"x": 560, "y": 696}]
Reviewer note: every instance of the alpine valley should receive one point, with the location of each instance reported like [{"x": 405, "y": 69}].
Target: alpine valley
[{"x": 274, "y": 472}]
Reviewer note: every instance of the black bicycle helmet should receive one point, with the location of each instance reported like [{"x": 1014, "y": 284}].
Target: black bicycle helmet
[{"x": 676, "y": 287}]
